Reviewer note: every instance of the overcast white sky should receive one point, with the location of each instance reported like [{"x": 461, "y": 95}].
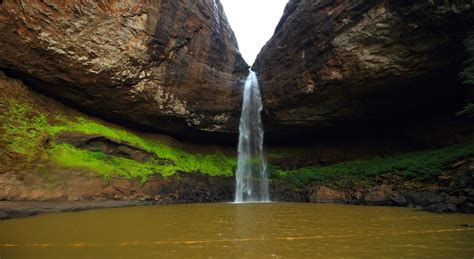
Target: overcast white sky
[{"x": 253, "y": 22}]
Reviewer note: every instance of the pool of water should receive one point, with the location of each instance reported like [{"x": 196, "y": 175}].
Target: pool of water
[{"x": 239, "y": 230}]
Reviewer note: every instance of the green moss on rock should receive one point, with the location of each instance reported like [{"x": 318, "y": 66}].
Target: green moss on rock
[
  {"x": 418, "y": 166},
  {"x": 30, "y": 126},
  {"x": 23, "y": 128},
  {"x": 107, "y": 166},
  {"x": 25, "y": 131}
]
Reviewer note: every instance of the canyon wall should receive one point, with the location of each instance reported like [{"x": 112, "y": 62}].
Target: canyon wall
[
  {"x": 166, "y": 65},
  {"x": 174, "y": 66},
  {"x": 332, "y": 64}
]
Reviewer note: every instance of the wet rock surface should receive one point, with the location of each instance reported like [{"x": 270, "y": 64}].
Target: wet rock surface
[
  {"x": 336, "y": 66},
  {"x": 16, "y": 209},
  {"x": 324, "y": 194},
  {"x": 453, "y": 192},
  {"x": 77, "y": 185},
  {"x": 27, "y": 195},
  {"x": 166, "y": 65}
]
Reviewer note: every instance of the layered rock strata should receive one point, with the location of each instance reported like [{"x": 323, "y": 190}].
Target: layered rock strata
[
  {"x": 167, "y": 65},
  {"x": 334, "y": 63}
]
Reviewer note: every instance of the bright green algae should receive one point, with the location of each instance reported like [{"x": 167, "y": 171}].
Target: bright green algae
[{"x": 25, "y": 131}]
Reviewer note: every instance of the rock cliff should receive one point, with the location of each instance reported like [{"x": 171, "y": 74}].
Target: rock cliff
[
  {"x": 50, "y": 152},
  {"x": 174, "y": 66},
  {"x": 171, "y": 65},
  {"x": 333, "y": 63}
]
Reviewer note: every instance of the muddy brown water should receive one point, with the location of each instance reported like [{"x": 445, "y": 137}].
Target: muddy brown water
[{"x": 286, "y": 230}]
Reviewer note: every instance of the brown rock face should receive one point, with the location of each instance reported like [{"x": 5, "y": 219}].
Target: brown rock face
[
  {"x": 332, "y": 62},
  {"x": 326, "y": 195},
  {"x": 171, "y": 65},
  {"x": 80, "y": 185}
]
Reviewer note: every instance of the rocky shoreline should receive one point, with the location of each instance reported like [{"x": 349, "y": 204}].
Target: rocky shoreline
[
  {"x": 421, "y": 200},
  {"x": 453, "y": 192},
  {"x": 16, "y": 209}
]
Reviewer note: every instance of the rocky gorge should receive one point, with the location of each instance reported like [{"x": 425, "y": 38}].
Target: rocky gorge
[
  {"x": 139, "y": 102},
  {"x": 363, "y": 63},
  {"x": 154, "y": 64}
]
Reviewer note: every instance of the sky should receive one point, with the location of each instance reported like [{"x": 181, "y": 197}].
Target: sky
[{"x": 253, "y": 22}]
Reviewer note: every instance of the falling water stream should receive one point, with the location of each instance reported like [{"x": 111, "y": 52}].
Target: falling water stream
[
  {"x": 251, "y": 174},
  {"x": 216, "y": 13}
]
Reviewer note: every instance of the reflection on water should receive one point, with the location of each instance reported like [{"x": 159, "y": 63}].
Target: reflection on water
[{"x": 239, "y": 230}]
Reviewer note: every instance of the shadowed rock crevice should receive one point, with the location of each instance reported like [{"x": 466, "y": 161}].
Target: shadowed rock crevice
[{"x": 108, "y": 146}]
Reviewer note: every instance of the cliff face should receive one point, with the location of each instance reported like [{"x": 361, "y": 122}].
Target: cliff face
[
  {"x": 49, "y": 151},
  {"x": 171, "y": 65},
  {"x": 331, "y": 63}
]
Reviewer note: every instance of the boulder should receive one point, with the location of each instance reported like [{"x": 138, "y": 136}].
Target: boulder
[
  {"x": 467, "y": 207},
  {"x": 424, "y": 198},
  {"x": 442, "y": 207},
  {"x": 383, "y": 195},
  {"x": 325, "y": 194}
]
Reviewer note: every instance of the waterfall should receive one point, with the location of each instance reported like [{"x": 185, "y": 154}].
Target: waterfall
[
  {"x": 216, "y": 14},
  {"x": 251, "y": 174}
]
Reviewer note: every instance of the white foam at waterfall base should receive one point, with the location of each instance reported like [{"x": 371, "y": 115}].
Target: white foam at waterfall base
[{"x": 251, "y": 174}]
